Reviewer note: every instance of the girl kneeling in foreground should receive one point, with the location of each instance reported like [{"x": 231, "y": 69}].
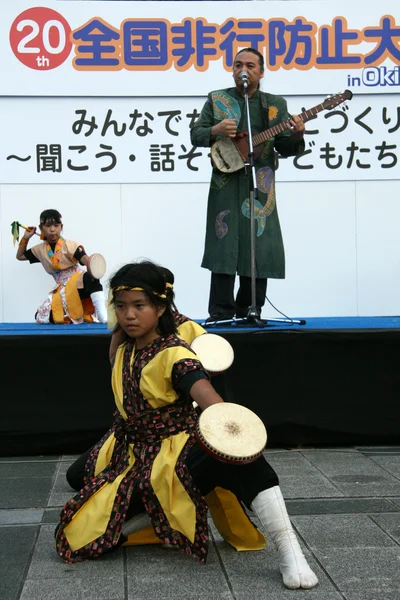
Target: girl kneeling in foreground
[{"x": 148, "y": 480}]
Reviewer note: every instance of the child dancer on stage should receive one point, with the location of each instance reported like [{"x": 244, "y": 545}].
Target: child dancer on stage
[
  {"x": 149, "y": 470},
  {"x": 78, "y": 296}
]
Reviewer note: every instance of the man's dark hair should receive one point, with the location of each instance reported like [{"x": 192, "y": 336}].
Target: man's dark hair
[{"x": 253, "y": 51}]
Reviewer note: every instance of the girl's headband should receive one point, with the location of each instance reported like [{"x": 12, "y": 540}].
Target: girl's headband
[
  {"x": 111, "y": 317},
  {"x": 127, "y": 288}
]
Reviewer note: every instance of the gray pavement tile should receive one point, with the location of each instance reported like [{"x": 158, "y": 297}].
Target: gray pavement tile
[
  {"x": 291, "y": 463},
  {"x": 395, "y": 501},
  {"x": 63, "y": 467},
  {"x": 51, "y": 515},
  {"x": 24, "y": 516},
  {"x": 254, "y": 575},
  {"x": 367, "y": 485},
  {"x": 29, "y": 492},
  {"x": 345, "y": 462},
  {"x": 61, "y": 491},
  {"x": 70, "y": 457},
  {"x": 27, "y": 469},
  {"x": 152, "y": 574},
  {"x": 45, "y": 562},
  {"x": 377, "y": 595},
  {"x": 389, "y": 463},
  {"x": 80, "y": 588},
  {"x": 377, "y": 450},
  {"x": 341, "y": 506},
  {"x": 59, "y": 499},
  {"x": 311, "y": 486},
  {"x": 362, "y": 569},
  {"x": 390, "y": 524},
  {"x": 18, "y": 459},
  {"x": 16, "y": 543},
  {"x": 342, "y": 531}
]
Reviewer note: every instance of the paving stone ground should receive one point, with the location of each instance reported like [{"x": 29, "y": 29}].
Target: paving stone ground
[{"x": 344, "y": 504}]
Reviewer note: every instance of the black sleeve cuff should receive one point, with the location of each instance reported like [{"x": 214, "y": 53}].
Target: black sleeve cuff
[
  {"x": 79, "y": 253},
  {"x": 187, "y": 381}
]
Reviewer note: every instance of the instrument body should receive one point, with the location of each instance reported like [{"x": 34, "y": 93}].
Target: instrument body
[
  {"x": 96, "y": 266},
  {"x": 230, "y": 154},
  {"x": 214, "y": 352},
  {"x": 231, "y": 433}
]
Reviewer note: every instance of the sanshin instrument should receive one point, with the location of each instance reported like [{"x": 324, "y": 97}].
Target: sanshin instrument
[{"x": 230, "y": 154}]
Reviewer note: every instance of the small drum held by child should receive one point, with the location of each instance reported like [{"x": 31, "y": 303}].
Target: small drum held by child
[
  {"x": 96, "y": 266},
  {"x": 231, "y": 432},
  {"x": 214, "y": 352}
]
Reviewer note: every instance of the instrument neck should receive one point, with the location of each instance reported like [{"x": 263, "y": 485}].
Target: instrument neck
[{"x": 259, "y": 138}]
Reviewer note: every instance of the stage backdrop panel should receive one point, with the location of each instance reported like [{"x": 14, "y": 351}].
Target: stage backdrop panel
[
  {"x": 147, "y": 140},
  {"x": 84, "y": 48},
  {"x": 3, "y": 234},
  {"x": 378, "y": 247},
  {"x": 319, "y": 230},
  {"x": 166, "y": 223}
]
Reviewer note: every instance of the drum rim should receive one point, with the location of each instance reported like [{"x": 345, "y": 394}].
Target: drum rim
[{"x": 221, "y": 455}]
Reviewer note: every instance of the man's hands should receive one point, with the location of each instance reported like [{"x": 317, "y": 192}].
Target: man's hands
[
  {"x": 225, "y": 128},
  {"x": 296, "y": 126}
]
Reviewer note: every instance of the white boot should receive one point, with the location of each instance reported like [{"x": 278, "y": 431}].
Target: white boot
[
  {"x": 270, "y": 508},
  {"x": 137, "y": 523},
  {"x": 99, "y": 304}
]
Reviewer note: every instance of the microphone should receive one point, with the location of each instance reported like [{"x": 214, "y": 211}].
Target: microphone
[{"x": 244, "y": 78}]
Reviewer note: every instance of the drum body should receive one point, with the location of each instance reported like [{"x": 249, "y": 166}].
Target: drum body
[
  {"x": 232, "y": 433},
  {"x": 96, "y": 266},
  {"x": 214, "y": 352}
]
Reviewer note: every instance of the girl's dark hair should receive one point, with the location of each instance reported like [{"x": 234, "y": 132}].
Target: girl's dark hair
[
  {"x": 253, "y": 51},
  {"x": 51, "y": 215},
  {"x": 151, "y": 278},
  {"x": 169, "y": 278}
]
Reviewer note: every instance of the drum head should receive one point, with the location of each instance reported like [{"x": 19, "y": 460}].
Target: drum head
[
  {"x": 97, "y": 266},
  {"x": 215, "y": 352},
  {"x": 232, "y": 432}
]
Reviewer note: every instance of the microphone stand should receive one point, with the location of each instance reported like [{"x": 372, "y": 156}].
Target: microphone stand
[{"x": 253, "y": 314}]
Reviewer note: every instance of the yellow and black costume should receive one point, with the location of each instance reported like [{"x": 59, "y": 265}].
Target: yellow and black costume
[{"x": 150, "y": 460}]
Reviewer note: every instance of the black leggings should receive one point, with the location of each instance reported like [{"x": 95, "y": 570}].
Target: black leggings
[
  {"x": 90, "y": 286},
  {"x": 244, "y": 480}
]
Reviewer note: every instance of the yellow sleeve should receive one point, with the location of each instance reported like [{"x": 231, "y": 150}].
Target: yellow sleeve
[
  {"x": 189, "y": 330},
  {"x": 156, "y": 378}
]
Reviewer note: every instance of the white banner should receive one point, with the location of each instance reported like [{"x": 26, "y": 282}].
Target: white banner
[
  {"x": 81, "y": 48},
  {"x": 121, "y": 140}
]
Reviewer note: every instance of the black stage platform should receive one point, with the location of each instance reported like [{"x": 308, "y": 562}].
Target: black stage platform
[{"x": 332, "y": 382}]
